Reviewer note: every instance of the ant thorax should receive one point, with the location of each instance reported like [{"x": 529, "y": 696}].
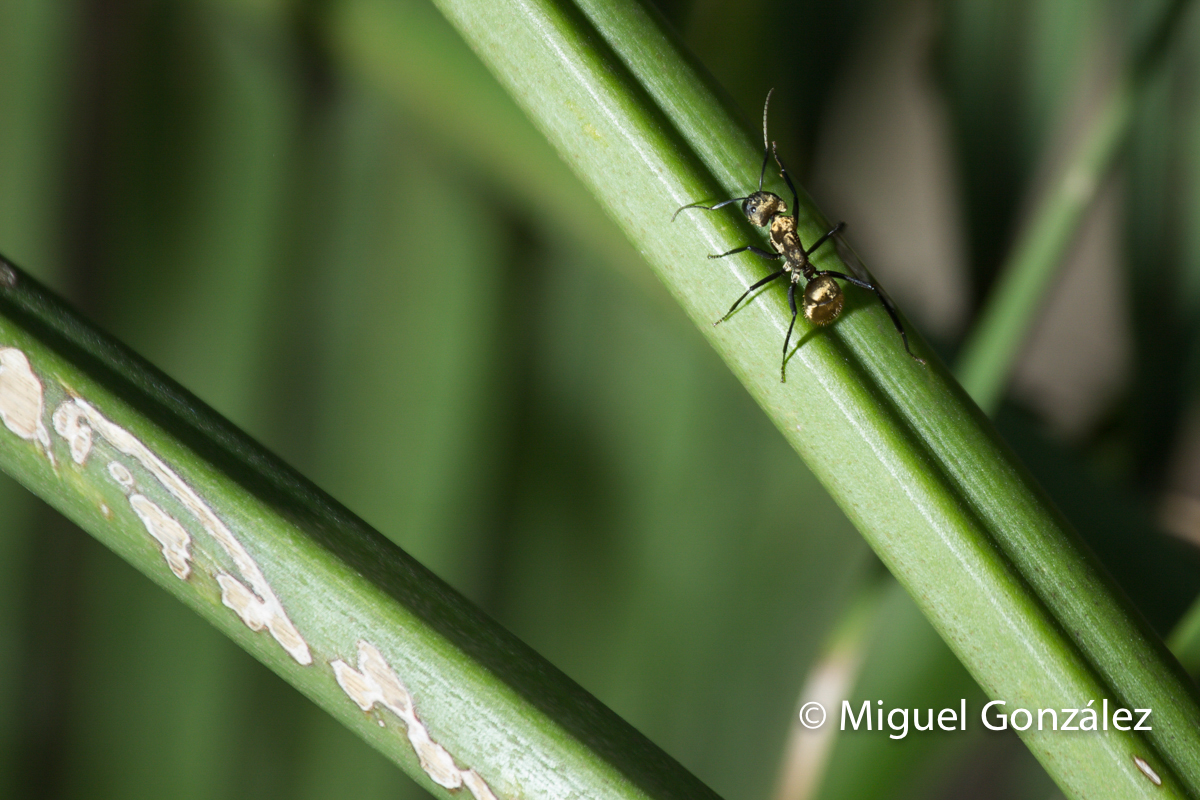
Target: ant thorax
[
  {"x": 786, "y": 242},
  {"x": 767, "y": 210}
]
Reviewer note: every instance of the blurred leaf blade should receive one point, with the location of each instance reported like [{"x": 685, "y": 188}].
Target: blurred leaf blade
[
  {"x": 36, "y": 39},
  {"x": 410, "y": 52},
  {"x": 990, "y": 351},
  {"x": 187, "y": 196}
]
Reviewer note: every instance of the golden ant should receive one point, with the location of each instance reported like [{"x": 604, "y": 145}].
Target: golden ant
[{"x": 823, "y": 297}]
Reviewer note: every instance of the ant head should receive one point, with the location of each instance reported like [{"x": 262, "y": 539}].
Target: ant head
[{"x": 761, "y": 206}]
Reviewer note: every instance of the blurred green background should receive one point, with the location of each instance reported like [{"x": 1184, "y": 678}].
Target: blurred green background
[{"x": 325, "y": 219}]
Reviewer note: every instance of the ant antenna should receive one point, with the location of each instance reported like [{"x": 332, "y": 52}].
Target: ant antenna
[
  {"x": 766, "y": 106},
  {"x": 762, "y": 173},
  {"x": 721, "y": 204},
  {"x": 766, "y": 147}
]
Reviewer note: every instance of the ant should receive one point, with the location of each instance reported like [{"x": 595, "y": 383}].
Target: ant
[{"x": 823, "y": 297}]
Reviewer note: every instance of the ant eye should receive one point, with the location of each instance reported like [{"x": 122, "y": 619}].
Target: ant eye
[
  {"x": 760, "y": 207},
  {"x": 750, "y": 207}
]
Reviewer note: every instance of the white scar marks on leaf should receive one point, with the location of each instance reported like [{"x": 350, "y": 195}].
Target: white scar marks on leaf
[
  {"x": 121, "y": 474},
  {"x": 256, "y": 605},
  {"x": 375, "y": 682},
  {"x": 173, "y": 539},
  {"x": 1147, "y": 770},
  {"x": 21, "y": 400},
  {"x": 22, "y": 406},
  {"x": 70, "y": 424},
  {"x": 170, "y": 535}
]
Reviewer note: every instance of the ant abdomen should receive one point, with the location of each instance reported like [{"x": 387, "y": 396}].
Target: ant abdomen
[{"x": 823, "y": 300}]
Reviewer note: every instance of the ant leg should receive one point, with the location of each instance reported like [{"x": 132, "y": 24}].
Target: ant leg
[
  {"x": 783, "y": 171},
  {"x": 787, "y": 339},
  {"x": 758, "y": 251},
  {"x": 721, "y": 204},
  {"x": 883, "y": 300},
  {"x": 796, "y": 204},
  {"x": 833, "y": 232},
  {"x": 763, "y": 282}
]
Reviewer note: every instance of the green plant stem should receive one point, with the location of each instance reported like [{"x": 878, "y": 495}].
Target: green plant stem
[
  {"x": 1184, "y": 640},
  {"x": 991, "y": 349},
  {"x": 988, "y": 355},
  {"x": 299, "y": 582},
  {"x": 900, "y": 446}
]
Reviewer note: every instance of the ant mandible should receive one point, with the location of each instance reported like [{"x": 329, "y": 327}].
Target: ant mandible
[{"x": 823, "y": 298}]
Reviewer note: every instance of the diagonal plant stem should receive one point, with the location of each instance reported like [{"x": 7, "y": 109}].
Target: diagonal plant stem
[
  {"x": 993, "y": 345},
  {"x": 991, "y": 349},
  {"x": 1184, "y": 640},
  {"x": 990, "y": 352},
  {"x": 909, "y": 458},
  {"x": 298, "y": 581}
]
